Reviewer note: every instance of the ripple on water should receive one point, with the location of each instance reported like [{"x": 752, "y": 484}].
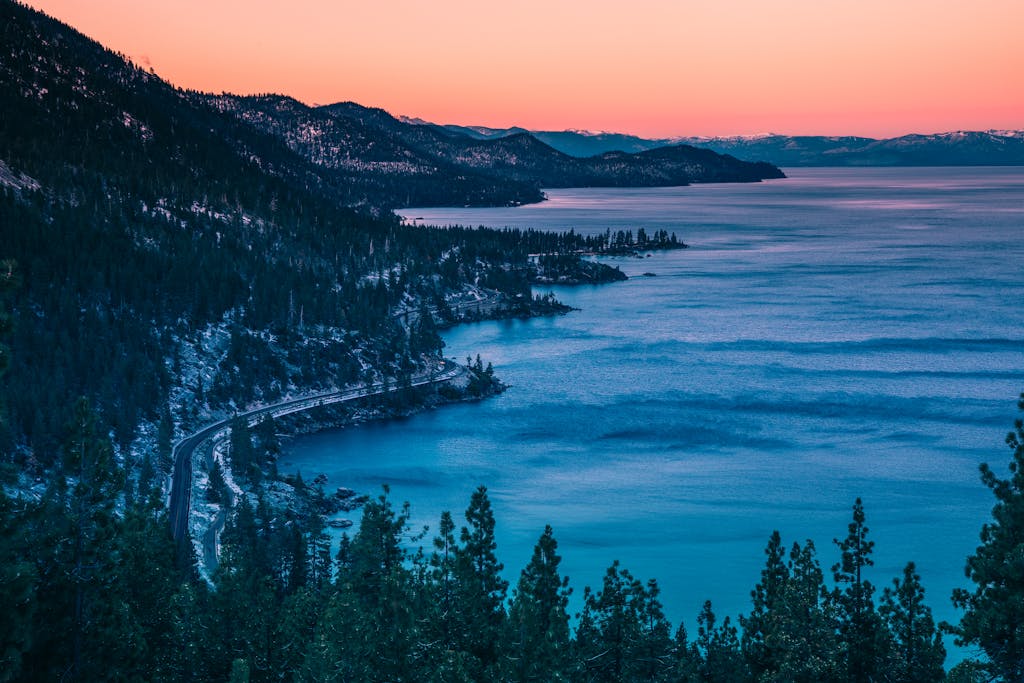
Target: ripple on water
[{"x": 828, "y": 336}]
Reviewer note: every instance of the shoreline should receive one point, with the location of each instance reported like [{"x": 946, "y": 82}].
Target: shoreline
[{"x": 343, "y": 414}]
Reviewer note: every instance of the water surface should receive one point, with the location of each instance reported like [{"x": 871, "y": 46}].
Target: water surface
[{"x": 840, "y": 333}]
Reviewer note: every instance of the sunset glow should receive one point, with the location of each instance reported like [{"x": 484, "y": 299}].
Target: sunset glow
[{"x": 650, "y": 67}]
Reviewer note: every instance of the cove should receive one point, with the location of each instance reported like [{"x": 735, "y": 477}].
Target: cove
[{"x": 840, "y": 333}]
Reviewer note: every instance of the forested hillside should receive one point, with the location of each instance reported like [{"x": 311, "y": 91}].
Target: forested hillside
[
  {"x": 405, "y": 164},
  {"x": 166, "y": 261},
  {"x": 175, "y": 262},
  {"x": 93, "y": 592}
]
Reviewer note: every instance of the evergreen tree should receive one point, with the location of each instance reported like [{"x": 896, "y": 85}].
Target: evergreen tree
[
  {"x": 790, "y": 634},
  {"x": 19, "y": 579},
  {"x": 863, "y": 634},
  {"x": 538, "y": 620},
  {"x": 807, "y": 641},
  {"x": 686, "y": 659},
  {"x": 369, "y": 628},
  {"x": 8, "y": 281},
  {"x": 89, "y": 459},
  {"x": 246, "y": 604},
  {"x": 164, "y": 439},
  {"x": 652, "y": 657},
  {"x": 216, "y": 487},
  {"x": 918, "y": 652},
  {"x": 608, "y": 628},
  {"x": 319, "y": 554},
  {"x": 482, "y": 591},
  {"x": 241, "y": 451},
  {"x": 994, "y": 611},
  {"x": 266, "y": 434},
  {"x": 719, "y": 648},
  {"x": 81, "y": 623},
  {"x": 144, "y": 577},
  {"x": 442, "y": 585},
  {"x": 623, "y": 634},
  {"x": 760, "y": 640}
]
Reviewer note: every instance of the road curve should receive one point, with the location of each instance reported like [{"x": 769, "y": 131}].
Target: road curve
[{"x": 181, "y": 478}]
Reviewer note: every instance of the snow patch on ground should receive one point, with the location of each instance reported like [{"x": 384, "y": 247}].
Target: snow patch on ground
[{"x": 18, "y": 181}]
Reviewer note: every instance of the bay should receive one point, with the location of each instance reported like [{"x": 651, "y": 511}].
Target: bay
[{"x": 838, "y": 334}]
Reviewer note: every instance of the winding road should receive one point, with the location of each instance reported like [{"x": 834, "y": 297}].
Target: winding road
[{"x": 181, "y": 479}]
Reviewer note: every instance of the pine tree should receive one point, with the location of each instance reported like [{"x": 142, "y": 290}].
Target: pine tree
[
  {"x": 719, "y": 647},
  {"x": 623, "y": 634},
  {"x": 216, "y": 487},
  {"x": 19, "y": 579},
  {"x": 760, "y": 640},
  {"x": 369, "y": 624},
  {"x": 143, "y": 579},
  {"x": 266, "y": 434},
  {"x": 808, "y": 646},
  {"x": 9, "y": 280},
  {"x": 651, "y": 658},
  {"x": 81, "y": 622},
  {"x": 538, "y": 620},
  {"x": 789, "y": 635},
  {"x": 242, "y": 452},
  {"x": 686, "y": 660},
  {"x": 18, "y": 575},
  {"x": 245, "y": 606},
  {"x": 481, "y": 589},
  {"x": 442, "y": 585},
  {"x": 164, "y": 439},
  {"x": 994, "y": 611},
  {"x": 864, "y": 636},
  {"x": 89, "y": 459},
  {"x": 608, "y": 627},
  {"x": 918, "y": 652}
]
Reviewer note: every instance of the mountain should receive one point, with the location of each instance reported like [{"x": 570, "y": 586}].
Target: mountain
[
  {"x": 361, "y": 150},
  {"x": 176, "y": 262},
  {"x": 422, "y": 164},
  {"x": 960, "y": 148},
  {"x": 577, "y": 143},
  {"x": 183, "y": 254}
]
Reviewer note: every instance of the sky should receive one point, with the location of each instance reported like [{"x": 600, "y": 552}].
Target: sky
[{"x": 656, "y": 68}]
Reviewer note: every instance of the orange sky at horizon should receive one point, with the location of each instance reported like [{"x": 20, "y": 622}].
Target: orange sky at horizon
[{"x": 650, "y": 67}]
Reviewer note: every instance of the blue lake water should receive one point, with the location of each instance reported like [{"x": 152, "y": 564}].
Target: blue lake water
[{"x": 840, "y": 333}]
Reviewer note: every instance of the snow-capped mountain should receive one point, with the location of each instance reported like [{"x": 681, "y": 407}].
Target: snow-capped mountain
[{"x": 954, "y": 148}]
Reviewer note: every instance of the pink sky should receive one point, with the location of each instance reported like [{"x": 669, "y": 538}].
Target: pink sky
[{"x": 650, "y": 67}]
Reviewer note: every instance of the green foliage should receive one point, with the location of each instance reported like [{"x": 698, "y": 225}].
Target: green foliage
[
  {"x": 18, "y": 598},
  {"x": 719, "y": 648},
  {"x": 622, "y": 633},
  {"x": 369, "y": 626},
  {"x": 538, "y": 617},
  {"x": 994, "y": 611},
  {"x": 865, "y": 640},
  {"x": 918, "y": 652},
  {"x": 791, "y": 632},
  {"x": 481, "y": 589},
  {"x": 242, "y": 452},
  {"x": 145, "y": 215},
  {"x": 169, "y": 216},
  {"x": 216, "y": 487}
]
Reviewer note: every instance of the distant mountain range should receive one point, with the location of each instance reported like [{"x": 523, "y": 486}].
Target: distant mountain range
[
  {"x": 960, "y": 148},
  {"x": 402, "y": 163}
]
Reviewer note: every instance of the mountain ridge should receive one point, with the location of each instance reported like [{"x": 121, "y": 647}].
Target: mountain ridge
[
  {"x": 477, "y": 168},
  {"x": 950, "y": 148}
]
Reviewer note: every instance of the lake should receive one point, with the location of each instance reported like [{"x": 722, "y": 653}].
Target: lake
[{"x": 840, "y": 333}]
